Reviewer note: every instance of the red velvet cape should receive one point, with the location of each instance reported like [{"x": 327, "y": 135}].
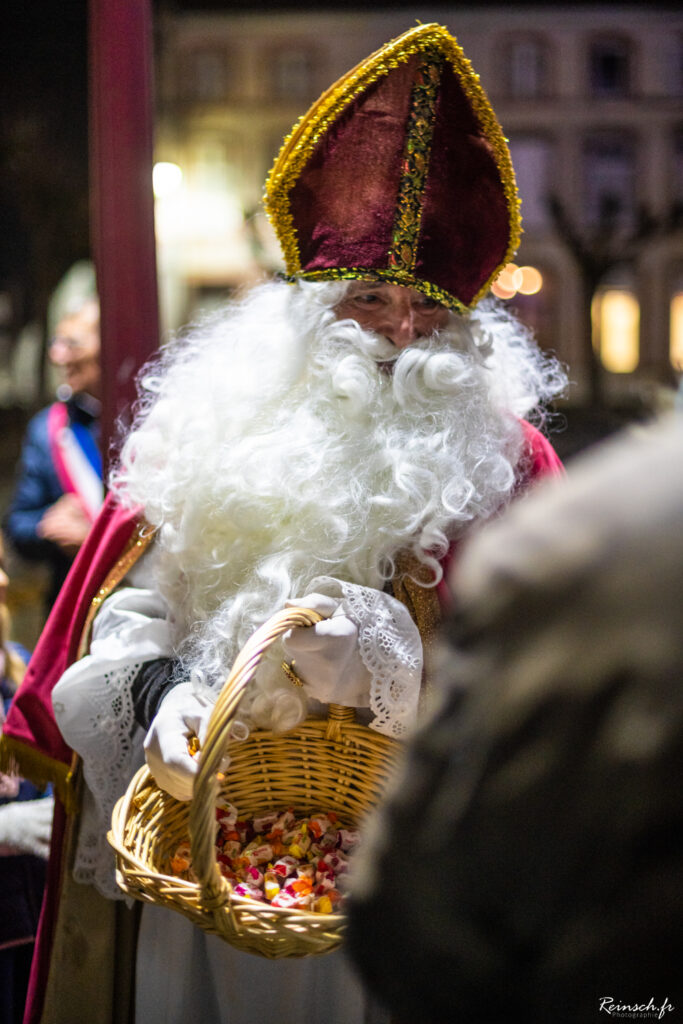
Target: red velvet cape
[{"x": 30, "y": 737}]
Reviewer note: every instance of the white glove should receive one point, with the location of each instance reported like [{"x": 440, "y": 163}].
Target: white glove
[
  {"x": 183, "y": 713},
  {"x": 26, "y": 826},
  {"x": 326, "y": 656}
]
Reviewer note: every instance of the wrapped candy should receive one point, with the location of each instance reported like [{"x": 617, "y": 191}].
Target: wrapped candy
[
  {"x": 253, "y": 891},
  {"x": 181, "y": 860},
  {"x": 278, "y": 848},
  {"x": 299, "y": 841},
  {"x": 224, "y": 807},
  {"x": 301, "y": 887},
  {"x": 280, "y": 859},
  {"x": 265, "y": 822},
  {"x": 328, "y": 841},
  {"x": 333, "y": 862},
  {"x": 244, "y": 831},
  {"x": 334, "y": 896},
  {"x": 227, "y": 871},
  {"x": 231, "y": 848},
  {"x": 258, "y": 853},
  {"x": 318, "y": 824},
  {"x": 285, "y": 866},
  {"x": 323, "y": 882},
  {"x": 255, "y": 877},
  {"x": 348, "y": 838},
  {"x": 283, "y": 822},
  {"x": 285, "y": 899},
  {"x": 271, "y": 885}
]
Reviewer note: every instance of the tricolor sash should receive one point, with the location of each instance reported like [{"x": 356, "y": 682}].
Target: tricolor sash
[{"x": 76, "y": 459}]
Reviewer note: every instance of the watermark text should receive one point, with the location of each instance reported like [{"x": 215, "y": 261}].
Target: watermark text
[{"x": 611, "y": 1006}]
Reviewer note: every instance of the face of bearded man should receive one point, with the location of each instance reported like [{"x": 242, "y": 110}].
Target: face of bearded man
[
  {"x": 272, "y": 448},
  {"x": 400, "y": 315}
]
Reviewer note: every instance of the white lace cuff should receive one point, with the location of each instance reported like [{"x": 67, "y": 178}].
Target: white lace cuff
[
  {"x": 94, "y": 712},
  {"x": 390, "y": 648}
]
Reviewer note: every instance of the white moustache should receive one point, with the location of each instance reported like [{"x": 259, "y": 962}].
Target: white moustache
[
  {"x": 369, "y": 343},
  {"x": 438, "y": 363}
]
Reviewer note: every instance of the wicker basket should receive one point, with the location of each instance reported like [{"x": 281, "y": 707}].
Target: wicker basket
[{"x": 322, "y": 765}]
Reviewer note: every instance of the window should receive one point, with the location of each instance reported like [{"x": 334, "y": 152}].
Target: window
[
  {"x": 673, "y": 65},
  {"x": 676, "y": 324},
  {"x": 609, "y": 67},
  {"x": 525, "y": 60},
  {"x": 206, "y": 77},
  {"x": 616, "y": 328},
  {"x": 676, "y": 332},
  {"x": 677, "y": 168},
  {"x": 293, "y": 74},
  {"x": 531, "y": 158},
  {"x": 609, "y": 179}
]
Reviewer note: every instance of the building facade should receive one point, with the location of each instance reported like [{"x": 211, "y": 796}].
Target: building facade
[{"x": 590, "y": 98}]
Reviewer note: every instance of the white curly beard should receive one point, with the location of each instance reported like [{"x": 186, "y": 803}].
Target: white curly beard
[{"x": 275, "y": 447}]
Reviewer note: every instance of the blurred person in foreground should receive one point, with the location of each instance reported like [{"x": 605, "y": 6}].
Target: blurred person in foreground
[
  {"x": 59, "y": 490},
  {"x": 25, "y": 825},
  {"x": 327, "y": 439},
  {"x": 528, "y": 864}
]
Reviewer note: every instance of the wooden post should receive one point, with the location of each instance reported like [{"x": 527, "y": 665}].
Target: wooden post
[{"x": 122, "y": 200}]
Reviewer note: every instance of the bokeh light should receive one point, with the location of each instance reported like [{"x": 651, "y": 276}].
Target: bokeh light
[
  {"x": 166, "y": 178},
  {"x": 513, "y": 279}
]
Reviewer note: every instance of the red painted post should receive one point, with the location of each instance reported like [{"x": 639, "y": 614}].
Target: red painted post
[{"x": 122, "y": 200}]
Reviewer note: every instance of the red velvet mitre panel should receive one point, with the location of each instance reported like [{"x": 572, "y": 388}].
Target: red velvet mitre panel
[
  {"x": 465, "y": 228},
  {"x": 344, "y": 201}
]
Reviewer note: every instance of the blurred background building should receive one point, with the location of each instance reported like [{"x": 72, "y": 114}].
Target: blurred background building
[
  {"x": 590, "y": 97},
  {"x": 591, "y": 101}
]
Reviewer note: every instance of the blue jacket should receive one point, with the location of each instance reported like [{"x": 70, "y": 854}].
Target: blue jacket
[{"x": 37, "y": 488}]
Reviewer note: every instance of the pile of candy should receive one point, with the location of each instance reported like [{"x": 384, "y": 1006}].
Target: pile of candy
[{"x": 280, "y": 859}]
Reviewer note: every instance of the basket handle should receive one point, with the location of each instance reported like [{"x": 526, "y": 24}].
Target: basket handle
[{"x": 202, "y": 821}]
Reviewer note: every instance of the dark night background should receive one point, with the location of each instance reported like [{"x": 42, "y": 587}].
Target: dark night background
[{"x": 44, "y": 138}]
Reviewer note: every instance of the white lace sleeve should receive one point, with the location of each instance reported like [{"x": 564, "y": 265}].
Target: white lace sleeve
[
  {"x": 390, "y": 648},
  {"x": 94, "y": 711}
]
